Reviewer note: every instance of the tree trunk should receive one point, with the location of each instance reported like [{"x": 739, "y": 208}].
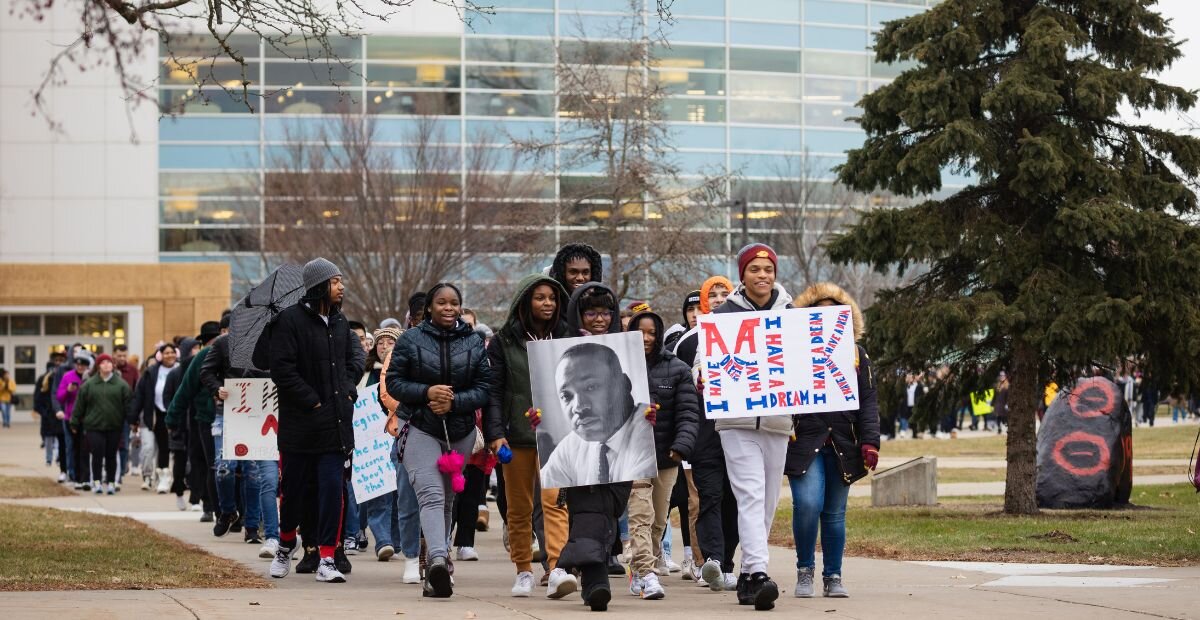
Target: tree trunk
[{"x": 1024, "y": 391}]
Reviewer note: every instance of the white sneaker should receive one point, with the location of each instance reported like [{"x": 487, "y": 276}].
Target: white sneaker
[
  {"x": 560, "y": 584},
  {"x": 711, "y": 573},
  {"x": 97, "y": 488},
  {"x": 111, "y": 488},
  {"x": 523, "y": 586},
  {"x": 164, "y": 481},
  {"x": 412, "y": 570},
  {"x": 467, "y": 554},
  {"x": 179, "y": 503},
  {"x": 635, "y": 583},
  {"x": 660, "y": 568},
  {"x": 327, "y": 572},
  {"x": 194, "y": 507},
  {"x": 62, "y": 477},
  {"x": 672, "y": 567},
  {"x": 146, "y": 483},
  {"x": 687, "y": 569},
  {"x": 282, "y": 564},
  {"x": 730, "y": 582},
  {"x": 385, "y": 553},
  {"x": 652, "y": 589},
  {"x": 268, "y": 549}
]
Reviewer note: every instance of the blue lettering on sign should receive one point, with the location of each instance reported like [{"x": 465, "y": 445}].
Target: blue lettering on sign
[
  {"x": 773, "y": 322},
  {"x": 751, "y": 403},
  {"x": 721, "y": 406}
]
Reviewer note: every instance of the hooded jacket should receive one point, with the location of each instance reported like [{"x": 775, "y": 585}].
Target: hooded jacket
[
  {"x": 738, "y": 302},
  {"x": 846, "y": 431},
  {"x": 511, "y": 392},
  {"x": 314, "y": 362},
  {"x": 672, "y": 390},
  {"x": 428, "y": 355},
  {"x": 573, "y": 309}
]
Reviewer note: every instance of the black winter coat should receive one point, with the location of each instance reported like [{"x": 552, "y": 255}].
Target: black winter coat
[
  {"x": 44, "y": 406},
  {"x": 849, "y": 431},
  {"x": 143, "y": 397},
  {"x": 672, "y": 390},
  {"x": 316, "y": 367},
  {"x": 427, "y": 355}
]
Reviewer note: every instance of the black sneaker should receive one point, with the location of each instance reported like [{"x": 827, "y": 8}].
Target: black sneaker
[
  {"x": 340, "y": 559},
  {"x": 597, "y": 597},
  {"x": 744, "y": 595},
  {"x": 236, "y": 526},
  {"x": 764, "y": 591},
  {"x": 363, "y": 543},
  {"x": 206, "y": 517},
  {"x": 437, "y": 579},
  {"x": 615, "y": 569},
  {"x": 224, "y": 524},
  {"x": 251, "y": 537},
  {"x": 308, "y": 563}
]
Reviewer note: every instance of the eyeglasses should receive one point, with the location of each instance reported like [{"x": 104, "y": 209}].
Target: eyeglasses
[{"x": 592, "y": 315}]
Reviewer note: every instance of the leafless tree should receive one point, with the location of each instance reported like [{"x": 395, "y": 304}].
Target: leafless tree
[
  {"x": 799, "y": 211},
  {"x": 112, "y": 34},
  {"x": 395, "y": 219},
  {"x": 622, "y": 192}
]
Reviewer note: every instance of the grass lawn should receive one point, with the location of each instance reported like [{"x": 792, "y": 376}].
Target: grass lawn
[
  {"x": 996, "y": 474},
  {"x": 1162, "y": 531},
  {"x": 25, "y": 487},
  {"x": 1160, "y": 442},
  {"x": 48, "y": 549}
]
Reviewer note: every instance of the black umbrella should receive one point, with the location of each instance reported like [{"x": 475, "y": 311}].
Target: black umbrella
[{"x": 282, "y": 289}]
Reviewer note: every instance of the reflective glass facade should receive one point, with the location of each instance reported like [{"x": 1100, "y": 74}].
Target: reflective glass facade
[{"x": 753, "y": 85}]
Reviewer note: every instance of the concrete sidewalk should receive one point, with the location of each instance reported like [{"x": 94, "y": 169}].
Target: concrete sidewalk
[{"x": 879, "y": 588}]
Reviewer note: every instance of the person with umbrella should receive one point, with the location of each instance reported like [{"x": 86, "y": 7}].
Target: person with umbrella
[{"x": 315, "y": 362}]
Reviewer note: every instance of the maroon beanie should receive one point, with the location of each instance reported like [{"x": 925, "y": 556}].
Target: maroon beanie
[
  {"x": 104, "y": 357},
  {"x": 753, "y": 251}
]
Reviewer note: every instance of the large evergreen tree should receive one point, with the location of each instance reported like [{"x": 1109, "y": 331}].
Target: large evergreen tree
[{"x": 1075, "y": 245}]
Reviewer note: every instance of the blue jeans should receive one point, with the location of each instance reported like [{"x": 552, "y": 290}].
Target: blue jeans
[
  {"x": 264, "y": 476},
  {"x": 666, "y": 541},
  {"x": 351, "y": 524},
  {"x": 819, "y": 498},
  {"x": 226, "y": 480},
  {"x": 6, "y": 413},
  {"x": 69, "y": 446}
]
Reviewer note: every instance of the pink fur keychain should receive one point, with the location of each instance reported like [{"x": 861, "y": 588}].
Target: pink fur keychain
[{"x": 451, "y": 463}]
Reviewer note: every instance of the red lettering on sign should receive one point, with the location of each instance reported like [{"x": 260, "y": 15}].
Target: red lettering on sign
[
  {"x": 712, "y": 336},
  {"x": 271, "y": 424}
]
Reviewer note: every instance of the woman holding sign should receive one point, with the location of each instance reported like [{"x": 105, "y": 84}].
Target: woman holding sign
[
  {"x": 831, "y": 451},
  {"x": 440, "y": 374}
]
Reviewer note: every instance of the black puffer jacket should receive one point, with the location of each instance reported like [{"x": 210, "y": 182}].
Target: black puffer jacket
[
  {"x": 672, "y": 390},
  {"x": 144, "y": 407},
  {"x": 848, "y": 431},
  {"x": 314, "y": 363},
  {"x": 428, "y": 355}
]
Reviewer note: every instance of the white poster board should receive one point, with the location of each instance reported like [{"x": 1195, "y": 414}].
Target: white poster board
[
  {"x": 251, "y": 431},
  {"x": 593, "y": 394},
  {"x": 373, "y": 473},
  {"x": 778, "y": 362}
]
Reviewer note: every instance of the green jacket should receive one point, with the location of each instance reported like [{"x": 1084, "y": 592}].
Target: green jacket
[
  {"x": 511, "y": 393},
  {"x": 102, "y": 405},
  {"x": 192, "y": 394}
]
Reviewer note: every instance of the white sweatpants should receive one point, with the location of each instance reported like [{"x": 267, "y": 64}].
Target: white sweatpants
[{"x": 754, "y": 461}]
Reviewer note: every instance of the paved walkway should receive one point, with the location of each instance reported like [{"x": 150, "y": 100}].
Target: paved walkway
[{"x": 879, "y": 588}]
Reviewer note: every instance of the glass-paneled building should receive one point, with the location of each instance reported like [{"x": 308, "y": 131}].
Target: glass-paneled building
[{"x": 754, "y": 87}]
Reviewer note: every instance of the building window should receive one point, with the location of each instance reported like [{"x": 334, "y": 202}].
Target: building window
[
  {"x": 776, "y": 61},
  {"x": 434, "y": 49},
  {"x": 510, "y": 50}
]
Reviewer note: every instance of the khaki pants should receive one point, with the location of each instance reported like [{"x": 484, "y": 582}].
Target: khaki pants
[
  {"x": 520, "y": 479},
  {"x": 649, "y": 503},
  {"x": 693, "y": 514}
]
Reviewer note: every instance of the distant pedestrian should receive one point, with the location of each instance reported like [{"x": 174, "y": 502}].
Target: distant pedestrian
[
  {"x": 101, "y": 408},
  {"x": 8, "y": 391}
]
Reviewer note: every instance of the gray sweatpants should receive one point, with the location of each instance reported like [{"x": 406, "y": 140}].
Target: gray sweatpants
[{"x": 434, "y": 494}]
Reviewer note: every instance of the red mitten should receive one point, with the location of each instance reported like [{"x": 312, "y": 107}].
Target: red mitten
[
  {"x": 652, "y": 414},
  {"x": 535, "y": 417},
  {"x": 870, "y": 456}
]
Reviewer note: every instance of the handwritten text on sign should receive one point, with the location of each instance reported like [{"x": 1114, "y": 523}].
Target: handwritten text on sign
[
  {"x": 778, "y": 362},
  {"x": 373, "y": 473},
  {"x": 251, "y": 420}
]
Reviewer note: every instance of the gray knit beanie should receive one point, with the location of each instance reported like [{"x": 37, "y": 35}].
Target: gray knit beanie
[{"x": 319, "y": 270}]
